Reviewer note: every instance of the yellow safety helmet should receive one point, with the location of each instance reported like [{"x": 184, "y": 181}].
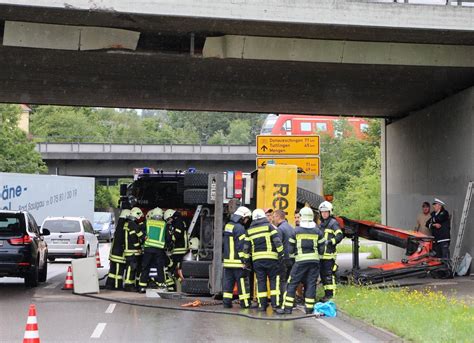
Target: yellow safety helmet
[
  {"x": 124, "y": 214},
  {"x": 136, "y": 213},
  {"x": 258, "y": 214},
  {"x": 156, "y": 213}
]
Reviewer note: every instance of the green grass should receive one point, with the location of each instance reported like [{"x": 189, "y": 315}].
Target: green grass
[
  {"x": 418, "y": 316},
  {"x": 374, "y": 250}
]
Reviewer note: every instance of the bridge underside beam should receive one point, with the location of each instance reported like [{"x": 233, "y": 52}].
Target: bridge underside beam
[
  {"x": 151, "y": 80},
  {"x": 124, "y": 169}
]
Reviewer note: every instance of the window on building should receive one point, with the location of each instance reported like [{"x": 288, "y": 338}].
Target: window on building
[
  {"x": 321, "y": 126},
  {"x": 287, "y": 125},
  {"x": 364, "y": 127},
  {"x": 305, "y": 127}
]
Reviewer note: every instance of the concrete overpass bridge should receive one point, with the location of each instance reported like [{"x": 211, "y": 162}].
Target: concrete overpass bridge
[
  {"x": 118, "y": 160},
  {"x": 410, "y": 64}
]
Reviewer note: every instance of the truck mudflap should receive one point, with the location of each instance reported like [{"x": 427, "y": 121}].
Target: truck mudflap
[{"x": 419, "y": 255}]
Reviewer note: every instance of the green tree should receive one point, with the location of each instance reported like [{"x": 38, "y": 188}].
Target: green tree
[
  {"x": 17, "y": 153},
  {"x": 103, "y": 197},
  {"x": 361, "y": 198},
  {"x": 239, "y": 132}
]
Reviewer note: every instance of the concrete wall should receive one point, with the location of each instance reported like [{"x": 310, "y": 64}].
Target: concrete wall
[{"x": 431, "y": 153}]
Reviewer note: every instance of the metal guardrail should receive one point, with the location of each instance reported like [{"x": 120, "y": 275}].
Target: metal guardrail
[
  {"x": 109, "y": 148},
  {"x": 466, "y": 3}
]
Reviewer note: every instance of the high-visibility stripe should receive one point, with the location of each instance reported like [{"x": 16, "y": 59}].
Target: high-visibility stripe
[
  {"x": 262, "y": 294},
  {"x": 229, "y": 228},
  {"x": 322, "y": 240},
  {"x": 291, "y": 240},
  {"x": 309, "y": 300},
  {"x": 258, "y": 229},
  {"x": 264, "y": 255},
  {"x": 309, "y": 236},
  {"x": 330, "y": 287},
  {"x": 289, "y": 298},
  {"x": 307, "y": 257},
  {"x": 244, "y": 296},
  {"x": 328, "y": 256},
  {"x": 228, "y": 295},
  {"x": 242, "y": 237}
]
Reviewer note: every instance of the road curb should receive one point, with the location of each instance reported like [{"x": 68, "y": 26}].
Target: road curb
[{"x": 380, "y": 333}]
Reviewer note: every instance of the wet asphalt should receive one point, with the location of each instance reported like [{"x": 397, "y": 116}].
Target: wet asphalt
[{"x": 66, "y": 317}]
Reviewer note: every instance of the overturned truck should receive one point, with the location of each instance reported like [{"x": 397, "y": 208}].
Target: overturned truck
[{"x": 206, "y": 201}]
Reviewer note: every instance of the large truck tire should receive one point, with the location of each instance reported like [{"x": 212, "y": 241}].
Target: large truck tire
[
  {"x": 196, "y": 269},
  {"x": 196, "y": 180},
  {"x": 195, "y": 196},
  {"x": 304, "y": 196},
  {"x": 195, "y": 286}
]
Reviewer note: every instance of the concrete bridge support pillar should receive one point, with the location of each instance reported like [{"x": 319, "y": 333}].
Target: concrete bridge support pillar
[{"x": 431, "y": 154}]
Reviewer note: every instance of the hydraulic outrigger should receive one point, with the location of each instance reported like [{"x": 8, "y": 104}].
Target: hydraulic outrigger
[{"x": 419, "y": 255}]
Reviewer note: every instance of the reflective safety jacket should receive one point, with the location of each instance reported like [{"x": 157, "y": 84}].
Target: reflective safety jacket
[
  {"x": 133, "y": 236},
  {"x": 263, "y": 241},
  {"x": 233, "y": 243},
  {"x": 117, "y": 249},
  {"x": 179, "y": 235},
  {"x": 156, "y": 234},
  {"x": 306, "y": 244},
  {"x": 333, "y": 234}
]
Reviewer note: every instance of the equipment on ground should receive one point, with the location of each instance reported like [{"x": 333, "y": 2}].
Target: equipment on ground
[
  {"x": 462, "y": 228},
  {"x": 419, "y": 256}
]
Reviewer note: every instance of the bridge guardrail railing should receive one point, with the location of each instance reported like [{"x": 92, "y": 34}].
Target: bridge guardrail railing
[{"x": 111, "y": 148}]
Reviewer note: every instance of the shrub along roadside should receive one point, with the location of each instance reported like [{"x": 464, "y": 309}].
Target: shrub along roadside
[
  {"x": 418, "y": 316},
  {"x": 375, "y": 252}
]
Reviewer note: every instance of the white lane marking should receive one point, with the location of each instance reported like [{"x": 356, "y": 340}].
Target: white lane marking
[
  {"x": 98, "y": 330},
  {"x": 339, "y": 331},
  {"x": 111, "y": 308},
  {"x": 53, "y": 285},
  {"x": 335, "y": 329}
]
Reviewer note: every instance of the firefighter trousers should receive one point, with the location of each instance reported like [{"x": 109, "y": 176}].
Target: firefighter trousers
[
  {"x": 307, "y": 273},
  {"x": 239, "y": 276},
  {"x": 270, "y": 269},
  {"x": 115, "y": 276},
  {"x": 132, "y": 267},
  {"x": 153, "y": 257},
  {"x": 328, "y": 275}
]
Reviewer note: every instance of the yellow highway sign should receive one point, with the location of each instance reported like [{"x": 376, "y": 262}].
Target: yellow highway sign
[
  {"x": 287, "y": 145},
  {"x": 306, "y": 165}
]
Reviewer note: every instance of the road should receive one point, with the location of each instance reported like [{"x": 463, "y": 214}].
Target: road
[{"x": 65, "y": 317}]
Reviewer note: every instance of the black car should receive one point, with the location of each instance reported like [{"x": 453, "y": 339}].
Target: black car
[{"x": 23, "y": 251}]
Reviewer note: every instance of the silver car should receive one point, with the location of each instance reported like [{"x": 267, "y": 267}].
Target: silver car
[{"x": 70, "y": 237}]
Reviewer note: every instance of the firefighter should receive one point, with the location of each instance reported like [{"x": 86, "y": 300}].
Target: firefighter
[
  {"x": 267, "y": 252},
  {"x": 116, "y": 255},
  {"x": 234, "y": 258},
  {"x": 306, "y": 242},
  {"x": 179, "y": 235},
  {"x": 333, "y": 236},
  {"x": 133, "y": 248},
  {"x": 285, "y": 230},
  {"x": 154, "y": 255}
]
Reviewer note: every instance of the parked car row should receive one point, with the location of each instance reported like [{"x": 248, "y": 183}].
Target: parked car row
[{"x": 25, "y": 247}]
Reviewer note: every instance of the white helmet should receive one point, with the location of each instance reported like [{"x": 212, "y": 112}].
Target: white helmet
[
  {"x": 258, "y": 214},
  {"x": 168, "y": 214},
  {"x": 136, "y": 213},
  {"x": 125, "y": 213},
  {"x": 325, "y": 206},
  {"x": 307, "y": 214},
  {"x": 156, "y": 213},
  {"x": 243, "y": 212}
]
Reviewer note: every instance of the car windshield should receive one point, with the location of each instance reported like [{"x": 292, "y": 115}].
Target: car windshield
[
  {"x": 11, "y": 224},
  {"x": 102, "y": 217},
  {"x": 62, "y": 225}
]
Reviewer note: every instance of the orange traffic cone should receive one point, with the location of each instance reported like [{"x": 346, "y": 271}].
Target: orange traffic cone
[
  {"x": 31, "y": 330},
  {"x": 69, "y": 283},
  {"x": 97, "y": 259}
]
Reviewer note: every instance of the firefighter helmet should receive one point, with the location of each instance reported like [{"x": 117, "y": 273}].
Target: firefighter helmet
[
  {"x": 243, "y": 212},
  {"x": 258, "y": 214},
  {"x": 168, "y": 214},
  {"x": 156, "y": 213},
  {"x": 325, "y": 206},
  {"x": 136, "y": 213},
  {"x": 307, "y": 214},
  {"x": 124, "y": 214}
]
